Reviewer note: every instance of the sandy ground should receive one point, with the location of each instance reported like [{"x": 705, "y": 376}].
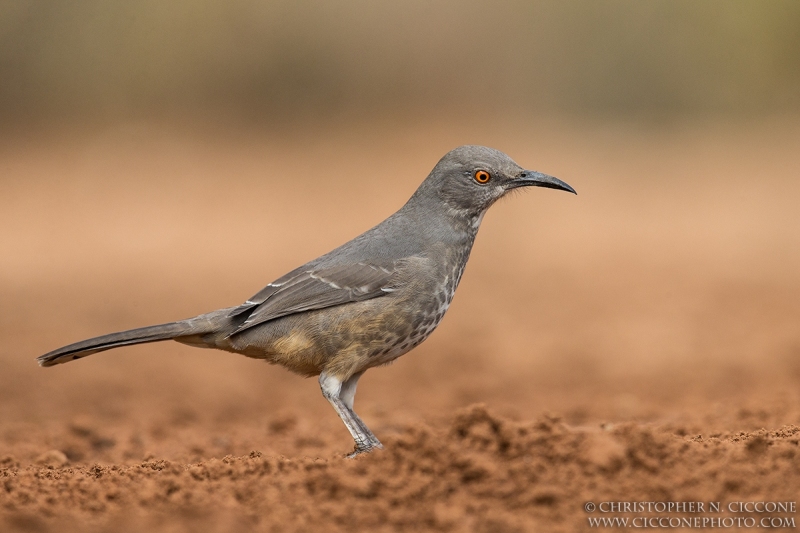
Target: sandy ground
[{"x": 638, "y": 342}]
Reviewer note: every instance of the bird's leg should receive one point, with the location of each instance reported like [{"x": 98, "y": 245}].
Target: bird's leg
[
  {"x": 341, "y": 395},
  {"x": 348, "y": 395}
]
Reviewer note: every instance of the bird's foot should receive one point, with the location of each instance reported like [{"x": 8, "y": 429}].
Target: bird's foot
[{"x": 365, "y": 447}]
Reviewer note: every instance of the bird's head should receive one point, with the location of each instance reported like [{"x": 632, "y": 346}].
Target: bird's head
[{"x": 469, "y": 179}]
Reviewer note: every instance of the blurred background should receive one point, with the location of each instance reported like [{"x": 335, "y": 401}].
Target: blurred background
[
  {"x": 262, "y": 61},
  {"x": 162, "y": 159}
]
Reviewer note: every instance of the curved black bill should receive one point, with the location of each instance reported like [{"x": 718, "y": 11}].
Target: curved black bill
[{"x": 531, "y": 178}]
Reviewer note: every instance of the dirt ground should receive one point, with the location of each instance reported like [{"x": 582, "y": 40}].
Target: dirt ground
[{"x": 637, "y": 343}]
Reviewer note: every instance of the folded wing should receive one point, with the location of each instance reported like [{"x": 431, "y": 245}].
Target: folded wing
[{"x": 306, "y": 289}]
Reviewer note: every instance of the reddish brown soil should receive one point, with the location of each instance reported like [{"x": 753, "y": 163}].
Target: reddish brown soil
[{"x": 638, "y": 342}]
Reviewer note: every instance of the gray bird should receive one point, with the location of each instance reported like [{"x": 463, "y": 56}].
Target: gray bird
[{"x": 365, "y": 303}]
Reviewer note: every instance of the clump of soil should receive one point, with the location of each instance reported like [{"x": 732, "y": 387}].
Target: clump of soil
[{"x": 481, "y": 472}]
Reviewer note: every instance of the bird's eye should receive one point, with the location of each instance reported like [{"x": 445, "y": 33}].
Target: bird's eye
[{"x": 481, "y": 176}]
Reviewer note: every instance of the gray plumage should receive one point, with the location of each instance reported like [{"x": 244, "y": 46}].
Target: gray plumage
[{"x": 363, "y": 304}]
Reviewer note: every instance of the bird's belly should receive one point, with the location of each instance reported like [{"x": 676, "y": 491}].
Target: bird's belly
[
  {"x": 421, "y": 322},
  {"x": 346, "y": 339}
]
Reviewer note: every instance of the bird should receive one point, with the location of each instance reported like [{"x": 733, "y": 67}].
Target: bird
[{"x": 363, "y": 304}]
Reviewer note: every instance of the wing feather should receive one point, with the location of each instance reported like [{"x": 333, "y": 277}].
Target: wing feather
[{"x": 307, "y": 289}]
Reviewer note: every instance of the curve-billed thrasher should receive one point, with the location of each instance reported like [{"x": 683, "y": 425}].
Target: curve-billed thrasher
[{"x": 367, "y": 302}]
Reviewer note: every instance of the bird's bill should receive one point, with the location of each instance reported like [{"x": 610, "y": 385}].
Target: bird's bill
[{"x": 531, "y": 178}]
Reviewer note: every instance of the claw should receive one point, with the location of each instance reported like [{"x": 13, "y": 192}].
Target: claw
[{"x": 364, "y": 448}]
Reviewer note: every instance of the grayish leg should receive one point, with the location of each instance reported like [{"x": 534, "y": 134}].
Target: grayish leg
[
  {"x": 341, "y": 396},
  {"x": 348, "y": 395},
  {"x": 348, "y": 392}
]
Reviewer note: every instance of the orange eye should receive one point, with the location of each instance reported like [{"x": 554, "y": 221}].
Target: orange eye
[{"x": 481, "y": 176}]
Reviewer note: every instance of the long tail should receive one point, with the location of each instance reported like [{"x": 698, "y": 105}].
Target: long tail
[
  {"x": 199, "y": 325},
  {"x": 162, "y": 332}
]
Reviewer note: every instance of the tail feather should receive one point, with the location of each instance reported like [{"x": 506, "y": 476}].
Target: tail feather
[{"x": 161, "y": 332}]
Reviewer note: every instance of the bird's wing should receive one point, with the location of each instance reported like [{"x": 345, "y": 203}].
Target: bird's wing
[{"x": 306, "y": 289}]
